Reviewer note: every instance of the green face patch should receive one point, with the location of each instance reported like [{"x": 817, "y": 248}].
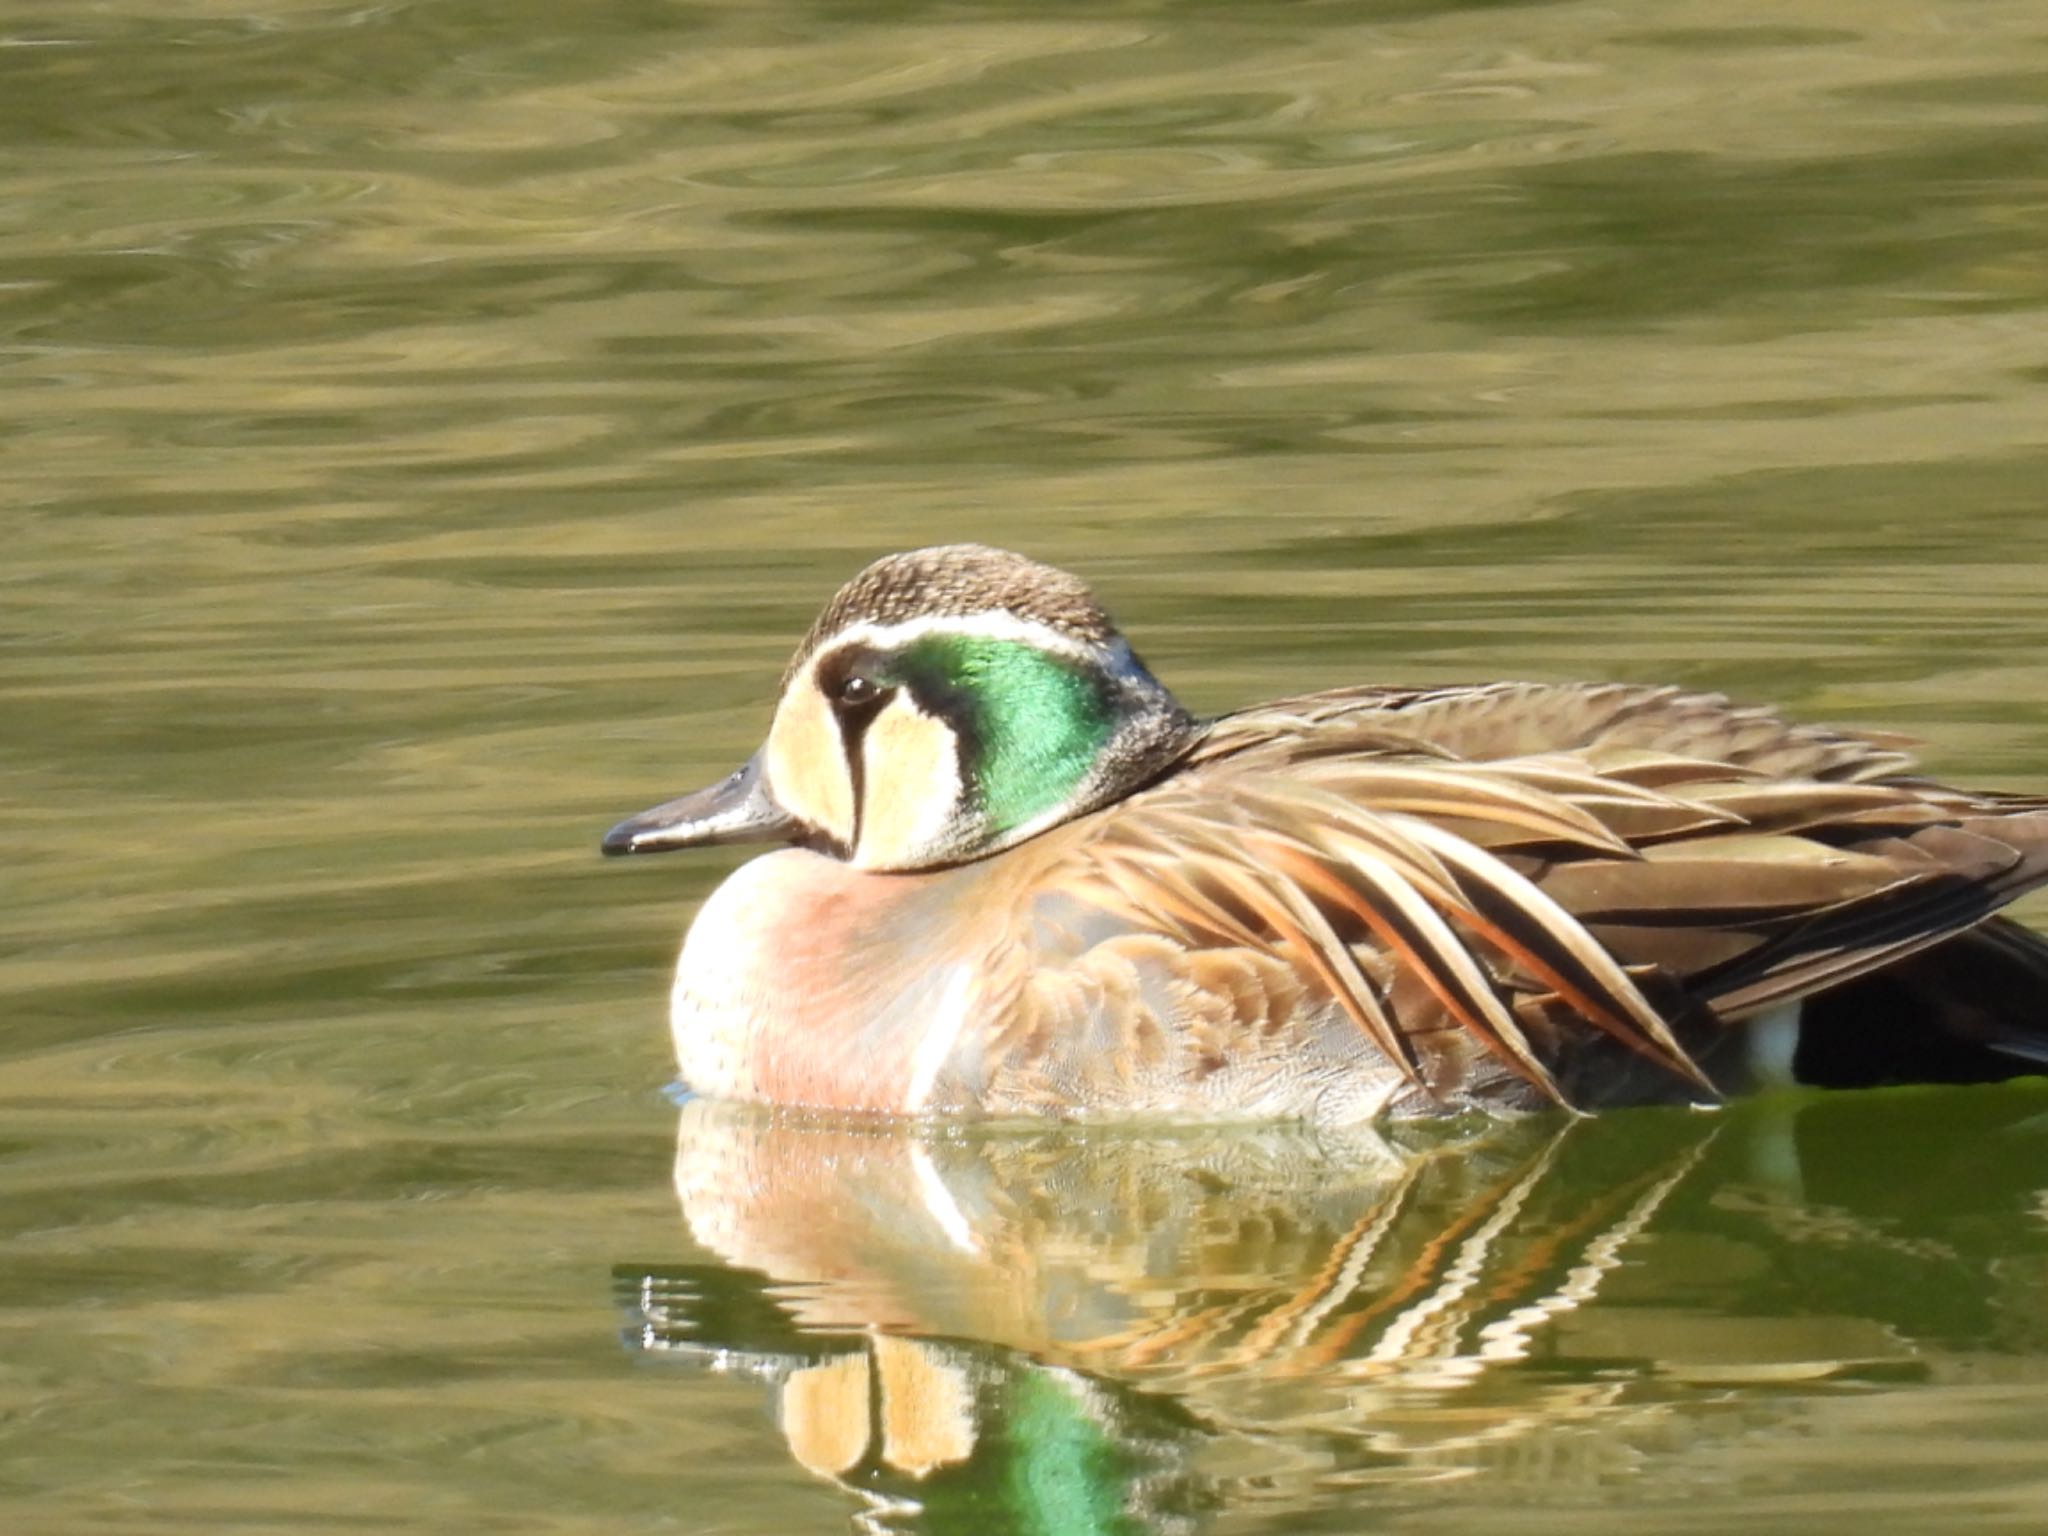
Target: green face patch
[{"x": 1031, "y": 724}]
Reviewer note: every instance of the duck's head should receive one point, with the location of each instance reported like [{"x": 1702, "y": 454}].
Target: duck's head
[{"x": 948, "y": 703}]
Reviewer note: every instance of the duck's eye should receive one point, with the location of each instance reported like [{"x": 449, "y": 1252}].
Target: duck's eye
[{"x": 858, "y": 689}]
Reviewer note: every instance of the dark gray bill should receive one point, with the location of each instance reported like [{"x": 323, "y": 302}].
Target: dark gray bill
[{"x": 737, "y": 809}]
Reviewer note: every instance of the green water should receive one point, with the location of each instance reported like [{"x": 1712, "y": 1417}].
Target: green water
[{"x": 425, "y": 430}]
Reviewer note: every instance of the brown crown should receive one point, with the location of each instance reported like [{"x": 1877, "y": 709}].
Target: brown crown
[{"x": 956, "y": 580}]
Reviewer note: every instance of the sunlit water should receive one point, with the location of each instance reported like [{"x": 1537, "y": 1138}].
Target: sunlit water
[{"x": 427, "y": 428}]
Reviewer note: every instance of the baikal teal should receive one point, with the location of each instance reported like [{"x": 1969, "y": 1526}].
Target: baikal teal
[{"x": 1024, "y": 881}]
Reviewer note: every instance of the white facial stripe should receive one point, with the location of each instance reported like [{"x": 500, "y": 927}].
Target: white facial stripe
[
  {"x": 1114, "y": 658},
  {"x": 993, "y": 624}
]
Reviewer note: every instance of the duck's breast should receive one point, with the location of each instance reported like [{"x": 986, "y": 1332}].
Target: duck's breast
[{"x": 806, "y": 982}]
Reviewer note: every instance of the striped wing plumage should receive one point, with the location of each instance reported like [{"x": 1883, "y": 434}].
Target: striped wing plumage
[{"x": 1524, "y": 869}]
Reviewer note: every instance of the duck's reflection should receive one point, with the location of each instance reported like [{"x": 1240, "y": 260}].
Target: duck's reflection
[{"x": 1104, "y": 1330}]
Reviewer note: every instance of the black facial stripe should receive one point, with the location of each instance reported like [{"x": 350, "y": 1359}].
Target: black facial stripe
[
  {"x": 942, "y": 698},
  {"x": 854, "y": 719}
]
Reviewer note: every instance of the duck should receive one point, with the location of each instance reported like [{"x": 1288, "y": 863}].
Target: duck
[{"x": 1018, "y": 879}]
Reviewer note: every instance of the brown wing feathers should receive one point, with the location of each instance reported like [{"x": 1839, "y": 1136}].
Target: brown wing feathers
[{"x": 1601, "y": 867}]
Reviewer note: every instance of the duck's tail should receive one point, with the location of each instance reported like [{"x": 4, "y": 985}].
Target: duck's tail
[{"x": 1971, "y": 1009}]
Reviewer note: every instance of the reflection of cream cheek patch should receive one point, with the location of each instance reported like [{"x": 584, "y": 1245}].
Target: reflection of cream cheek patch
[
  {"x": 909, "y": 787},
  {"x": 807, "y": 763}
]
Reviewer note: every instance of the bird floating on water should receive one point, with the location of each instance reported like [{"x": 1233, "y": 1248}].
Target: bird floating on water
[{"x": 1024, "y": 881}]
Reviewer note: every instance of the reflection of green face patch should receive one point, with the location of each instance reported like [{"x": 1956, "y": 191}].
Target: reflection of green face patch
[{"x": 1030, "y": 724}]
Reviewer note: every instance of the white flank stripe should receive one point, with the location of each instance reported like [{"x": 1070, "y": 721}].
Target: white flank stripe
[{"x": 948, "y": 1017}]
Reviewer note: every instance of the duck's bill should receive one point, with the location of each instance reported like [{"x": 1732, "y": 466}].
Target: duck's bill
[{"x": 737, "y": 809}]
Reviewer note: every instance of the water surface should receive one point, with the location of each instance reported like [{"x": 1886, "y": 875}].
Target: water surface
[{"x": 428, "y": 427}]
